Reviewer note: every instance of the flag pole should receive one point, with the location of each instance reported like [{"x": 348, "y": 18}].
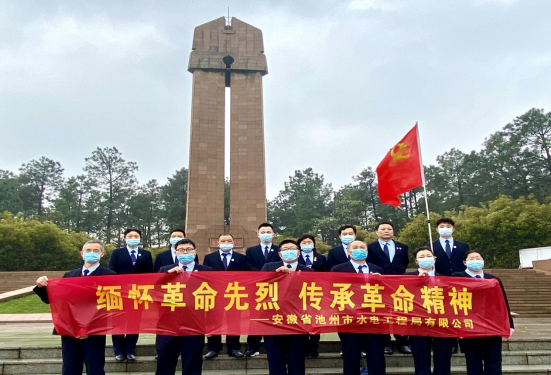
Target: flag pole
[{"x": 424, "y": 185}]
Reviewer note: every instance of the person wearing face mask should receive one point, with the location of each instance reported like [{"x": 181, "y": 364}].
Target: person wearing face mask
[
  {"x": 482, "y": 354},
  {"x": 126, "y": 260},
  {"x": 312, "y": 259},
  {"x": 392, "y": 257},
  {"x": 448, "y": 251},
  {"x": 257, "y": 256},
  {"x": 286, "y": 352},
  {"x": 168, "y": 256},
  {"x": 225, "y": 259},
  {"x": 353, "y": 343},
  {"x": 190, "y": 348},
  {"x": 339, "y": 254},
  {"x": 87, "y": 350},
  {"x": 422, "y": 346}
]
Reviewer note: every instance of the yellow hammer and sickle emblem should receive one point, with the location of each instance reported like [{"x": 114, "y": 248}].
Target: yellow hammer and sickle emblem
[{"x": 402, "y": 153}]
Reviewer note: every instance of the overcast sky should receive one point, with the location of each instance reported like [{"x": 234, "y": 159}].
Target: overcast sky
[{"x": 347, "y": 78}]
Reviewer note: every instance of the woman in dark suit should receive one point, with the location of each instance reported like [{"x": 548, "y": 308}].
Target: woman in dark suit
[{"x": 311, "y": 259}]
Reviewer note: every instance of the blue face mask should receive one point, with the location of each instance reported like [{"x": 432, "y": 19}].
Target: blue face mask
[
  {"x": 445, "y": 232},
  {"x": 289, "y": 255},
  {"x": 347, "y": 239},
  {"x": 266, "y": 237},
  {"x": 359, "y": 254},
  {"x": 186, "y": 258},
  {"x": 91, "y": 257},
  {"x": 307, "y": 248},
  {"x": 225, "y": 247},
  {"x": 175, "y": 240},
  {"x": 475, "y": 265},
  {"x": 133, "y": 242},
  {"x": 426, "y": 263}
]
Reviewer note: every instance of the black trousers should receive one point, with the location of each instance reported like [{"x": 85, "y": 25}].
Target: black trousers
[
  {"x": 483, "y": 355},
  {"x": 169, "y": 348},
  {"x": 285, "y": 354},
  {"x": 76, "y": 352},
  {"x": 311, "y": 343},
  {"x": 253, "y": 342},
  {"x": 214, "y": 343},
  {"x": 400, "y": 340},
  {"x": 352, "y": 345},
  {"x": 125, "y": 344},
  {"x": 421, "y": 348}
]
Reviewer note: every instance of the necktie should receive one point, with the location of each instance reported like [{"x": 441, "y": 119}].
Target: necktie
[
  {"x": 478, "y": 277},
  {"x": 308, "y": 262},
  {"x": 360, "y": 269},
  {"x": 133, "y": 256},
  {"x": 289, "y": 266},
  {"x": 225, "y": 255},
  {"x": 385, "y": 250},
  {"x": 86, "y": 272},
  {"x": 175, "y": 259},
  {"x": 185, "y": 268},
  {"x": 266, "y": 252},
  {"x": 448, "y": 249}
]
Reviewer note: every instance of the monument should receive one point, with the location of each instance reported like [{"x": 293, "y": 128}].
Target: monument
[{"x": 226, "y": 54}]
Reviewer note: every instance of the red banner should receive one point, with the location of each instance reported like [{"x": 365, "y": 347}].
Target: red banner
[{"x": 270, "y": 303}]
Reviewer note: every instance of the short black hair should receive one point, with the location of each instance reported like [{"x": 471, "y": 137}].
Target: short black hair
[
  {"x": 185, "y": 241},
  {"x": 347, "y": 226},
  {"x": 384, "y": 222},
  {"x": 472, "y": 252},
  {"x": 225, "y": 234},
  {"x": 445, "y": 220},
  {"x": 265, "y": 225},
  {"x": 128, "y": 230},
  {"x": 306, "y": 236},
  {"x": 177, "y": 230},
  {"x": 287, "y": 241},
  {"x": 419, "y": 249}
]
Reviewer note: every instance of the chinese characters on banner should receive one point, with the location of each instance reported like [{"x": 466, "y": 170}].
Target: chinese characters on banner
[{"x": 270, "y": 303}]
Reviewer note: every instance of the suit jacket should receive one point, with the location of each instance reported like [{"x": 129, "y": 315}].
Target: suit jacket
[
  {"x": 416, "y": 273},
  {"x": 197, "y": 267},
  {"x": 121, "y": 263},
  {"x": 272, "y": 266},
  {"x": 348, "y": 267},
  {"x": 319, "y": 262},
  {"x": 256, "y": 259},
  {"x": 399, "y": 263},
  {"x": 488, "y": 276},
  {"x": 238, "y": 262},
  {"x": 336, "y": 256},
  {"x": 445, "y": 265},
  {"x": 163, "y": 259}
]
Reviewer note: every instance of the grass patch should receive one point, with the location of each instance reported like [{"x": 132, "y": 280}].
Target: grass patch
[{"x": 31, "y": 304}]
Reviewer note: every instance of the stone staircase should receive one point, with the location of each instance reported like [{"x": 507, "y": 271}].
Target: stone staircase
[
  {"x": 528, "y": 291},
  {"x": 10, "y": 281},
  {"x": 519, "y": 357}
]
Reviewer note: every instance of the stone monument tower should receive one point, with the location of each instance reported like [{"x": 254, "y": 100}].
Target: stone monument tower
[{"x": 226, "y": 55}]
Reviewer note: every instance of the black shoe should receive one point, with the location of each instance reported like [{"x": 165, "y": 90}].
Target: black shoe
[
  {"x": 131, "y": 358},
  {"x": 252, "y": 353},
  {"x": 315, "y": 354},
  {"x": 211, "y": 354},
  {"x": 306, "y": 354},
  {"x": 454, "y": 350},
  {"x": 388, "y": 350},
  {"x": 119, "y": 358},
  {"x": 404, "y": 349},
  {"x": 236, "y": 354}
]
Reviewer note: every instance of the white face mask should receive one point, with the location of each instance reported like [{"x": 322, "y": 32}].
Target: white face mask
[{"x": 445, "y": 232}]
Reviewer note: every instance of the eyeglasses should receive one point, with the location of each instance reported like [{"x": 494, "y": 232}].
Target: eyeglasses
[
  {"x": 291, "y": 248},
  {"x": 188, "y": 249}
]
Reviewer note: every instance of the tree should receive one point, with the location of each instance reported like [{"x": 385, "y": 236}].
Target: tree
[
  {"x": 174, "y": 199},
  {"x": 41, "y": 180},
  {"x": 9, "y": 193},
  {"x": 70, "y": 204},
  {"x": 146, "y": 212},
  {"x": 113, "y": 177}
]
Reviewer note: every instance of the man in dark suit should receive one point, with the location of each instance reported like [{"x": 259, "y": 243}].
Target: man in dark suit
[
  {"x": 339, "y": 254},
  {"x": 353, "y": 343},
  {"x": 225, "y": 259},
  {"x": 168, "y": 257},
  {"x": 190, "y": 348},
  {"x": 392, "y": 257},
  {"x": 286, "y": 352},
  {"x": 421, "y": 346},
  {"x": 482, "y": 354},
  {"x": 129, "y": 259},
  {"x": 257, "y": 256},
  {"x": 89, "y": 350},
  {"x": 449, "y": 252}
]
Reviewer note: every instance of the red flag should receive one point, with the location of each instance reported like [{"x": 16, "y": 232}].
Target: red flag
[{"x": 400, "y": 170}]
